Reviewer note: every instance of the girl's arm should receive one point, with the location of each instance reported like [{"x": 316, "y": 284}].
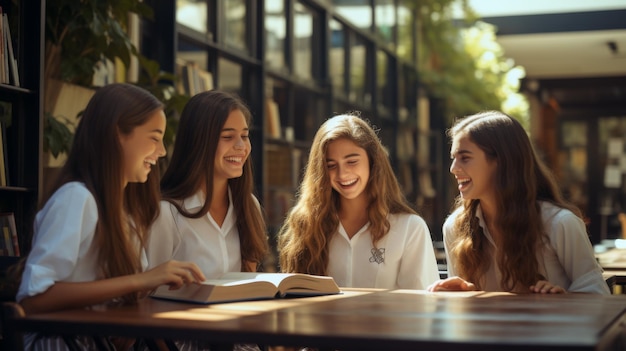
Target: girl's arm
[
  {"x": 418, "y": 268},
  {"x": 64, "y": 295},
  {"x": 570, "y": 241}
]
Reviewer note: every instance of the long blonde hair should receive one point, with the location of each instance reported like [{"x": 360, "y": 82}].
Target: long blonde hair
[
  {"x": 521, "y": 181},
  {"x": 304, "y": 237}
]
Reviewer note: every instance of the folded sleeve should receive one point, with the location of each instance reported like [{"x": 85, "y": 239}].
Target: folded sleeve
[
  {"x": 64, "y": 231},
  {"x": 575, "y": 254}
]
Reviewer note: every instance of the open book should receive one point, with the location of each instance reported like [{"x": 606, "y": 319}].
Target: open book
[{"x": 239, "y": 286}]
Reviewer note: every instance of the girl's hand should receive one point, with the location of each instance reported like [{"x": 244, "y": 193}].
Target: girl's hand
[
  {"x": 452, "y": 284},
  {"x": 172, "y": 273},
  {"x": 545, "y": 287}
]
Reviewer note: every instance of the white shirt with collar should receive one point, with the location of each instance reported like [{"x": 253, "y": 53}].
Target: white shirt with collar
[
  {"x": 63, "y": 243},
  {"x": 403, "y": 259},
  {"x": 214, "y": 249},
  {"x": 567, "y": 261}
]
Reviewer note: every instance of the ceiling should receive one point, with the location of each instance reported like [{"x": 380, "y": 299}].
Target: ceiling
[
  {"x": 572, "y": 50},
  {"x": 560, "y": 38}
]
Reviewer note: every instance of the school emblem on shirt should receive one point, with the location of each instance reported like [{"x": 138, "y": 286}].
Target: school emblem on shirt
[{"x": 378, "y": 255}]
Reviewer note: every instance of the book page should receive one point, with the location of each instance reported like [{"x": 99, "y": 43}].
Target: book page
[
  {"x": 218, "y": 291},
  {"x": 292, "y": 283}
]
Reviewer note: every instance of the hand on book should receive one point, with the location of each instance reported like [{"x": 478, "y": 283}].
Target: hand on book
[{"x": 174, "y": 274}]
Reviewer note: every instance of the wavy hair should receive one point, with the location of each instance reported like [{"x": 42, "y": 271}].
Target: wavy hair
[
  {"x": 96, "y": 159},
  {"x": 303, "y": 239},
  {"x": 198, "y": 134},
  {"x": 521, "y": 181}
]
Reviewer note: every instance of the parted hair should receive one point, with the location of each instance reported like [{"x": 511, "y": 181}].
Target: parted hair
[
  {"x": 97, "y": 160},
  {"x": 304, "y": 237},
  {"x": 522, "y": 180},
  {"x": 192, "y": 165}
]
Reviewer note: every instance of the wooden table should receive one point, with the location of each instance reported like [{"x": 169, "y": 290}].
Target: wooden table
[{"x": 367, "y": 320}]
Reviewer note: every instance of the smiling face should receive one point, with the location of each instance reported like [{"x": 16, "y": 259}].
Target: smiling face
[
  {"x": 474, "y": 172},
  {"x": 233, "y": 147},
  {"x": 348, "y": 168},
  {"x": 143, "y": 147}
]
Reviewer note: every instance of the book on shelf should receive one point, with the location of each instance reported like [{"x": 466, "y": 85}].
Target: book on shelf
[
  {"x": 4, "y": 78},
  {"x": 8, "y": 236},
  {"x": 272, "y": 119},
  {"x": 244, "y": 286},
  {"x": 194, "y": 79},
  {"x": 10, "y": 57},
  {"x": 3, "y": 170}
]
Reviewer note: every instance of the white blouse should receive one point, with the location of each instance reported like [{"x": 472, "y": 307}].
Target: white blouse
[
  {"x": 403, "y": 259},
  {"x": 214, "y": 249},
  {"x": 63, "y": 247},
  {"x": 567, "y": 261}
]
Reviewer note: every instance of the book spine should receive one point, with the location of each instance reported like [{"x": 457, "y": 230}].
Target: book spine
[
  {"x": 8, "y": 244},
  {"x": 14, "y": 239},
  {"x": 11, "y": 60}
]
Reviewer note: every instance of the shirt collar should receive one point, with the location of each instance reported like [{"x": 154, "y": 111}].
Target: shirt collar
[
  {"x": 197, "y": 200},
  {"x": 481, "y": 223}
]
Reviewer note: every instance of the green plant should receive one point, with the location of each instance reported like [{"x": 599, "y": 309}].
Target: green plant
[
  {"x": 161, "y": 85},
  {"x": 57, "y": 135},
  {"x": 453, "y": 57},
  {"x": 80, "y": 33}
]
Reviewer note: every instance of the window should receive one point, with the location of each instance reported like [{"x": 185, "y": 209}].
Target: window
[
  {"x": 193, "y": 14},
  {"x": 303, "y": 41},
  {"x": 359, "y": 91},
  {"x": 235, "y": 22},
  {"x": 337, "y": 56},
  {"x": 357, "y": 12},
  {"x": 385, "y": 11},
  {"x": 275, "y": 33}
]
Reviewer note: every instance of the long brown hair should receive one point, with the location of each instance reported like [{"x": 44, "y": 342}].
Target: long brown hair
[
  {"x": 96, "y": 159},
  {"x": 309, "y": 226},
  {"x": 198, "y": 134},
  {"x": 521, "y": 181}
]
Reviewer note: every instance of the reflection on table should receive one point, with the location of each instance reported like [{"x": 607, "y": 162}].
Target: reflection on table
[{"x": 367, "y": 320}]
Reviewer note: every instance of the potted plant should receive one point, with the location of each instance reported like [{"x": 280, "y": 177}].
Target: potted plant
[{"x": 79, "y": 34}]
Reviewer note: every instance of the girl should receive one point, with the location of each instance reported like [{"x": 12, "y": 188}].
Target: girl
[
  {"x": 209, "y": 214},
  {"x": 89, "y": 236},
  {"x": 351, "y": 220},
  {"x": 511, "y": 230}
]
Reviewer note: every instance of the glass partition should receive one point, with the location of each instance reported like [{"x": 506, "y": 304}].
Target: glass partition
[
  {"x": 275, "y": 31},
  {"x": 303, "y": 41},
  {"x": 193, "y": 14},
  {"x": 357, "y": 12},
  {"x": 230, "y": 76},
  {"x": 385, "y": 11},
  {"x": 359, "y": 91},
  {"x": 407, "y": 33},
  {"x": 336, "y": 64},
  {"x": 235, "y": 31}
]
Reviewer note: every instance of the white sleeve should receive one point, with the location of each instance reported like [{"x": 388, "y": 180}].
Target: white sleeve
[
  {"x": 418, "y": 268},
  {"x": 164, "y": 236},
  {"x": 448, "y": 238},
  {"x": 575, "y": 253},
  {"x": 64, "y": 231}
]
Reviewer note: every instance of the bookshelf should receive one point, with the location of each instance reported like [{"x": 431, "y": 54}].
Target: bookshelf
[{"x": 23, "y": 119}]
